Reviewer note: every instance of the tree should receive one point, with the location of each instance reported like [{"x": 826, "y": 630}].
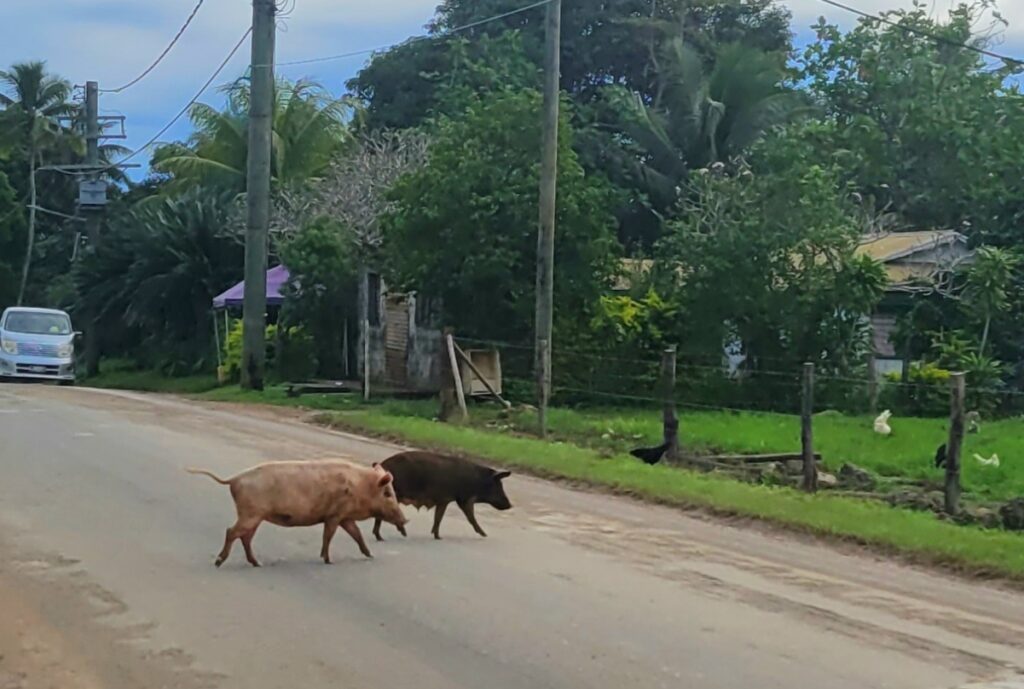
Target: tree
[
  {"x": 702, "y": 116},
  {"x": 322, "y": 287},
  {"x": 988, "y": 279},
  {"x": 159, "y": 271},
  {"x": 616, "y": 42},
  {"x": 12, "y": 241},
  {"x": 353, "y": 189},
  {"x": 308, "y": 129},
  {"x": 763, "y": 255},
  {"x": 922, "y": 125},
  {"x": 33, "y": 101},
  {"x": 464, "y": 226}
]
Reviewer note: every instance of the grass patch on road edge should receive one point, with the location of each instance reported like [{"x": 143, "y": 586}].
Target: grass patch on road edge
[{"x": 916, "y": 534}]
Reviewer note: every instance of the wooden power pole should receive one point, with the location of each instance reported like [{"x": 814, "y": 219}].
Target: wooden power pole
[
  {"x": 546, "y": 231},
  {"x": 92, "y": 159},
  {"x": 261, "y": 105}
]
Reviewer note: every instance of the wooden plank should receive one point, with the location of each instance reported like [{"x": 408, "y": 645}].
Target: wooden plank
[
  {"x": 476, "y": 372},
  {"x": 459, "y": 392},
  {"x": 761, "y": 458}
]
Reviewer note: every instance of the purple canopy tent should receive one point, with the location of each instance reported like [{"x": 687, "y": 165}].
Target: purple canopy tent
[{"x": 276, "y": 279}]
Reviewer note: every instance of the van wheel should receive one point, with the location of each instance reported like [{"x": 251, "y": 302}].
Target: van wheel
[{"x": 66, "y": 383}]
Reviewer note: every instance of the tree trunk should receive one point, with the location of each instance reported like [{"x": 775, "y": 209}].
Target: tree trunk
[
  {"x": 26, "y": 266},
  {"x": 984, "y": 333}
]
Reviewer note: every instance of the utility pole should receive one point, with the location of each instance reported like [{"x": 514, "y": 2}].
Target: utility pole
[
  {"x": 261, "y": 100},
  {"x": 546, "y": 230},
  {"x": 92, "y": 159}
]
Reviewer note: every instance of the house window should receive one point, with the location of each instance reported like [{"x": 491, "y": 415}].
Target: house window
[{"x": 373, "y": 298}]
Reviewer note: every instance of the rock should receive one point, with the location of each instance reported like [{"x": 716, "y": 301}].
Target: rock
[
  {"x": 916, "y": 500},
  {"x": 826, "y": 480},
  {"x": 774, "y": 474},
  {"x": 852, "y": 477},
  {"x": 987, "y": 518},
  {"x": 1012, "y": 515},
  {"x": 794, "y": 466}
]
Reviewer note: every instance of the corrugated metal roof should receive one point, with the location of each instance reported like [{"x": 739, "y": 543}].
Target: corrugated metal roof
[{"x": 893, "y": 245}]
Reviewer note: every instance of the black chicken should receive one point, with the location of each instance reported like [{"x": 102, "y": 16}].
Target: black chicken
[
  {"x": 940, "y": 456},
  {"x": 650, "y": 455}
]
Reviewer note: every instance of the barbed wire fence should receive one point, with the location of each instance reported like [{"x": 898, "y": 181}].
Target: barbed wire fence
[{"x": 791, "y": 392}]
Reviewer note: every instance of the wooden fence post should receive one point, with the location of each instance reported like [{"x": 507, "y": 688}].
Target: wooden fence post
[
  {"x": 669, "y": 420},
  {"x": 806, "y": 432},
  {"x": 543, "y": 386},
  {"x": 872, "y": 384},
  {"x": 366, "y": 360},
  {"x": 456, "y": 376},
  {"x": 957, "y": 391}
]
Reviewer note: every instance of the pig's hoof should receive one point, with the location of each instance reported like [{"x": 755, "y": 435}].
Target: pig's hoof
[
  {"x": 401, "y": 530},
  {"x": 327, "y": 560},
  {"x": 218, "y": 562},
  {"x": 379, "y": 538}
]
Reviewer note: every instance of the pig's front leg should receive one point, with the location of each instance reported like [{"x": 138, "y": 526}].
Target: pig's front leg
[
  {"x": 352, "y": 529},
  {"x": 330, "y": 526}
]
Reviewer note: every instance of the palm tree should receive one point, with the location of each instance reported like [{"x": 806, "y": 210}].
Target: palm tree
[
  {"x": 705, "y": 116},
  {"x": 33, "y": 102},
  {"x": 308, "y": 129}
]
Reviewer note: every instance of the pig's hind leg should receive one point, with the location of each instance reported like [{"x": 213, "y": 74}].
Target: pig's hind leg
[
  {"x": 352, "y": 529},
  {"x": 467, "y": 509},
  {"x": 247, "y": 544},
  {"x": 245, "y": 531}
]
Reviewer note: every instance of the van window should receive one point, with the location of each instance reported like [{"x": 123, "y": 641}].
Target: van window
[{"x": 38, "y": 323}]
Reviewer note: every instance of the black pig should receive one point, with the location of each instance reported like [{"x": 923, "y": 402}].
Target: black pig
[{"x": 425, "y": 479}]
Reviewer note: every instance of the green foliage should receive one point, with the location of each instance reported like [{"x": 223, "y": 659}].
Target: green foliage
[
  {"x": 289, "y": 356},
  {"x": 915, "y": 117},
  {"x": 988, "y": 278},
  {"x": 701, "y": 116},
  {"x": 624, "y": 323},
  {"x": 768, "y": 260},
  {"x": 464, "y": 228},
  {"x": 308, "y": 129},
  {"x": 157, "y": 272},
  {"x": 321, "y": 291}
]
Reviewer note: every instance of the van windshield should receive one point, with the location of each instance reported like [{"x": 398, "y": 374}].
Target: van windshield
[{"x": 38, "y": 323}]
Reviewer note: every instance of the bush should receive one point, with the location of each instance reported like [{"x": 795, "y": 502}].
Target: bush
[{"x": 925, "y": 394}]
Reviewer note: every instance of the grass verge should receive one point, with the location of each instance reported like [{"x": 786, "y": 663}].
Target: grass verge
[{"x": 916, "y": 534}]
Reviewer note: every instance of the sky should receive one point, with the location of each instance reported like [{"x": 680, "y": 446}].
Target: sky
[{"x": 112, "y": 41}]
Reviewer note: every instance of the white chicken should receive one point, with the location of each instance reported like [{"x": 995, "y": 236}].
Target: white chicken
[
  {"x": 882, "y": 423},
  {"x": 992, "y": 461}
]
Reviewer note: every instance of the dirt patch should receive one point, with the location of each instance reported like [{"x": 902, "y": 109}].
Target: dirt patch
[{"x": 52, "y": 635}]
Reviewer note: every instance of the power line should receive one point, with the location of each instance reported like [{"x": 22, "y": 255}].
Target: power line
[
  {"x": 162, "y": 55},
  {"x": 457, "y": 29},
  {"x": 188, "y": 105},
  {"x": 1018, "y": 62}
]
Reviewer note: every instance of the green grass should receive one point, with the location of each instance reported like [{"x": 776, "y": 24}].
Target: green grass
[
  {"x": 914, "y": 533},
  {"x": 122, "y": 376},
  {"x": 908, "y": 452}
]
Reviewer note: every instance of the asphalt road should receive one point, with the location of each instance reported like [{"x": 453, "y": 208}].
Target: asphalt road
[{"x": 107, "y": 577}]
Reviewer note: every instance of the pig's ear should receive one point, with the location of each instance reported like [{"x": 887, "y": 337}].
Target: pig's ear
[
  {"x": 384, "y": 480},
  {"x": 502, "y": 475},
  {"x": 376, "y": 464}
]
